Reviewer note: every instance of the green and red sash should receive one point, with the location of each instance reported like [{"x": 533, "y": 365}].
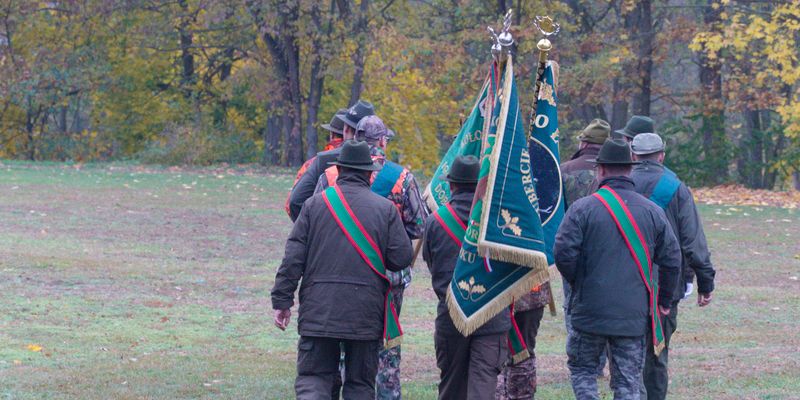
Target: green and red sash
[
  {"x": 456, "y": 229},
  {"x": 369, "y": 252},
  {"x": 641, "y": 255},
  {"x": 454, "y": 226}
]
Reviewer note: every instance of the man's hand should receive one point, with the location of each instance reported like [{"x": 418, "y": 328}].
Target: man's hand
[
  {"x": 282, "y": 318},
  {"x": 663, "y": 310},
  {"x": 703, "y": 299}
]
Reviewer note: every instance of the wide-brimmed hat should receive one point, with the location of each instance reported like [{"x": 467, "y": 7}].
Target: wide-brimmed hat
[
  {"x": 356, "y": 155},
  {"x": 614, "y": 152},
  {"x": 336, "y": 125},
  {"x": 636, "y": 125},
  {"x": 596, "y": 132},
  {"x": 647, "y": 143},
  {"x": 371, "y": 127},
  {"x": 465, "y": 169},
  {"x": 354, "y": 114}
]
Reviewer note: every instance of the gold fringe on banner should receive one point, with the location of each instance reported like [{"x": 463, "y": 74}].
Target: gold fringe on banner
[{"x": 467, "y": 326}]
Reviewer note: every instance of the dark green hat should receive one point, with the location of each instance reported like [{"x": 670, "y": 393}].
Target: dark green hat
[
  {"x": 596, "y": 132},
  {"x": 465, "y": 169},
  {"x": 356, "y": 155},
  {"x": 636, "y": 125},
  {"x": 354, "y": 114},
  {"x": 614, "y": 152},
  {"x": 336, "y": 125}
]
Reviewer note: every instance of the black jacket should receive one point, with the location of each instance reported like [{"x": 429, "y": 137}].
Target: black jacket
[
  {"x": 305, "y": 186},
  {"x": 608, "y": 295},
  {"x": 440, "y": 253},
  {"x": 340, "y": 296},
  {"x": 685, "y": 222}
]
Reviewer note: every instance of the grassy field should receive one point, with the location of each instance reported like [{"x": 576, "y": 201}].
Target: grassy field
[{"x": 124, "y": 282}]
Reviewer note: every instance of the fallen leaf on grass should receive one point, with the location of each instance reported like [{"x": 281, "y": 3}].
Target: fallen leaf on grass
[{"x": 34, "y": 347}]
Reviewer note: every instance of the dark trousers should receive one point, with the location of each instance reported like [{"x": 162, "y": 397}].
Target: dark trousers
[
  {"x": 469, "y": 365},
  {"x": 518, "y": 381},
  {"x": 318, "y": 365},
  {"x": 568, "y": 324},
  {"x": 626, "y": 371},
  {"x": 656, "y": 374}
]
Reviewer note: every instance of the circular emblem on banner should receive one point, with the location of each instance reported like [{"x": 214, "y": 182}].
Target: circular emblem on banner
[{"x": 547, "y": 175}]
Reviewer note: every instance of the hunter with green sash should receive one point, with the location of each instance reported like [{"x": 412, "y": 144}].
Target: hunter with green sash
[
  {"x": 470, "y": 364},
  {"x": 345, "y": 301},
  {"x": 621, "y": 259}
]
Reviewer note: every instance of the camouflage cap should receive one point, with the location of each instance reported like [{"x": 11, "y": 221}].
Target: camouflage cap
[
  {"x": 371, "y": 128},
  {"x": 596, "y": 132},
  {"x": 647, "y": 143}
]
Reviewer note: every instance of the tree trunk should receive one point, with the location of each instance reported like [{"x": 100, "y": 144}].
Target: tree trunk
[
  {"x": 272, "y": 141},
  {"x": 619, "y": 110},
  {"x": 187, "y": 58},
  {"x": 361, "y": 52},
  {"x": 750, "y": 160},
  {"x": 644, "y": 30}
]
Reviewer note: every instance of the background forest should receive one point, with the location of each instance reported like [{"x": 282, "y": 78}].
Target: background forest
[{"x": 241, "y": 81}]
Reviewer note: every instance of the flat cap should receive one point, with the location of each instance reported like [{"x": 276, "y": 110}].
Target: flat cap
[{"x": 647, "y": 143}]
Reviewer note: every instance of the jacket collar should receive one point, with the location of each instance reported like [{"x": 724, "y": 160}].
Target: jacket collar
[
  {"x": 591, "y": 149},
  {"x": 463, "y": 195},
  {"x": 618, "y": 183},
  {"x": 647, "y": 165},
  {"x": 353, "y": 179}
]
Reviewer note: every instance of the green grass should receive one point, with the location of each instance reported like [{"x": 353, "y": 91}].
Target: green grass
[{"x": 143, "y": 282}]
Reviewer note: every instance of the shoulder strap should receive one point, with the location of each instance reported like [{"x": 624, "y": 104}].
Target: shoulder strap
[
  {"x": 637, "y": 245},
  {"x": 665, "y": 189},
  {"x": 452, "y": 224},
  {"x": 386, "y": 181},
  {"x": 331, "y": 173}
]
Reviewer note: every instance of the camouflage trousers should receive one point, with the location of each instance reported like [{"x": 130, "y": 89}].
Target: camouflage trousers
[
  {"x": 518, "y": 381},
  {"x": 387, "y": 382},
  {"x": 583, "y": 352}
]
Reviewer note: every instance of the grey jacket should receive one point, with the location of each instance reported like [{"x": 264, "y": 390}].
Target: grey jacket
[
  {"x": 685, "y": 222},
  {"x": 440, "y": 253},
  {"x": 608, "y": 295},
  {"x": 340, "y": 296}
]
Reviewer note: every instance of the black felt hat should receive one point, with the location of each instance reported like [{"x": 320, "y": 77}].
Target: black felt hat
[
  {"x": 614, "y": 152},
  {"x": 354, "y": 114},
  {"x": 465, "y": 169},
  {"x": 636, "y": 125},
  {"x": 336, "y": 125},
  {"x": 356, "y": 155}
]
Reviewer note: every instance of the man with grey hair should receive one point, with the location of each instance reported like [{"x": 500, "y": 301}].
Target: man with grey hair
[
  {"x": 397, "y": 184},
  {"x": 656, "y": 182}
]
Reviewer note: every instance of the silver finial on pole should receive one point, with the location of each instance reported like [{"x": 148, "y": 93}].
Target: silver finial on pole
[{"x": 502, "y": 42}]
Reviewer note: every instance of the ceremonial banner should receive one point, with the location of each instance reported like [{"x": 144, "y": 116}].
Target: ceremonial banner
[
  {"x": 503, "y": 251},
  {"x": 543, "y": 148},
  {"x": 467, "y": 142}
]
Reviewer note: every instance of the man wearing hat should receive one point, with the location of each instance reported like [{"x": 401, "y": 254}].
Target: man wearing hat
[
  {"x": 656, "y": 182},
  {"x": 578, "y": 175},
  {"x": 636, "y": 125},
  {"x": 469, "y": 365},
  {"x": 335, "y": 139},
  {"x": 342, "y": 297},
  {"x": 304, "y": 187},
  {"x": 397, "y": 184},
  {"x": 603, "y": 249}
]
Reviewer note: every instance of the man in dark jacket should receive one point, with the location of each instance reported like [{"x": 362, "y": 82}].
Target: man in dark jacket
[
  {"x": 636, "y": 125},
  {"x": 304, "y": 187},
  {"x": 469, "y": 365},
  {"x": 342, "y": 297},
  {"x": 654, "y": 181},
  {"x": 610, "y": 303},
  {"x": 397, "y": 184}
]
